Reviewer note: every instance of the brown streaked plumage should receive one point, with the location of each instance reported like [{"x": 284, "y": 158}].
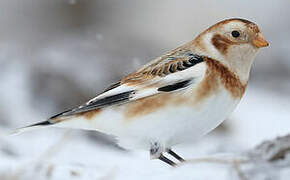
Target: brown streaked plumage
[
  {"x": 173, "y": 62},
  {"x": 139, "y": 77}
]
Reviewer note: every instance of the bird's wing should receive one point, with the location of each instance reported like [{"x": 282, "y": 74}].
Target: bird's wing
[
  {"x": 171, "y": 72},
  {"x": 167, "y": 73}
]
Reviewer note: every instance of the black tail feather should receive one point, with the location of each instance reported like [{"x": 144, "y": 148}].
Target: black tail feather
[
  {"x": 31, "y": 127},
  {"x": 43, "y": 123}
]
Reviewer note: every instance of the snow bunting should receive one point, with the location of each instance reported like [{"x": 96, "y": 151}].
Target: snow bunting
[{"x": 175, "y": 98}]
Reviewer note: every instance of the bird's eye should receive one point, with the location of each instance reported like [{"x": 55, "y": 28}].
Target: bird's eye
[{"x": 235, "y": 34}]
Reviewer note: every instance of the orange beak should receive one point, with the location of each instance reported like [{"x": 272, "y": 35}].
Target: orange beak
[{"x": 259, "y": 41}]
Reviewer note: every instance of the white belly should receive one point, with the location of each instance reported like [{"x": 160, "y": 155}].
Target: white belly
[
  {"x": 169, "y": 126},
  {"x": 174, "y": 125}
]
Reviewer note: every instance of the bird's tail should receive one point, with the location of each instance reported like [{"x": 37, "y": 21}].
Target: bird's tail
[
  {"x": 56, "y": 119},
  {"x": 31, "y": 127},
  {"x": 62, "y": 120}
]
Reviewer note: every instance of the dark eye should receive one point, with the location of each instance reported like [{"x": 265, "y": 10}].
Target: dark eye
[{"x": 235, "y": 34}]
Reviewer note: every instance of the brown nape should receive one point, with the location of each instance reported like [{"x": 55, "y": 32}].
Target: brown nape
[
  {"x": 229, "y": 80},
  {"x": 221, "y": 43},
  {"x": 89, "y": 114}
]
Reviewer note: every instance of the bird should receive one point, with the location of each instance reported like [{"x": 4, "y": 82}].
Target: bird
[{"x": 176, "y": 98}]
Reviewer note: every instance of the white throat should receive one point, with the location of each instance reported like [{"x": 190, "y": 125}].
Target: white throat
[{"x": 240, "y": 59}]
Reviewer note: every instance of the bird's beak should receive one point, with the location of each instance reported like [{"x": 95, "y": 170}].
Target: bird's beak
[{"x": 259, "y": 41}]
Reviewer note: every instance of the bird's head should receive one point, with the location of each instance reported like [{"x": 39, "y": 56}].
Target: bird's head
[{"x": 233, "y": 42}]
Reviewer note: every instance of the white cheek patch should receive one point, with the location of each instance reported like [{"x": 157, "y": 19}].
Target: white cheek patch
[{"x": 211, "y": 50}]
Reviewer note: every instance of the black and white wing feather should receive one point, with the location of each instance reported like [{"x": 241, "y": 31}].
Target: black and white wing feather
[
  {"x": 171, "y": 72},
  {"x": 158, "y": 77}
]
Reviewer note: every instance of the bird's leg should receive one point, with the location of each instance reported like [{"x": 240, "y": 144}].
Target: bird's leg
[
  {"x": 156, "y": 153},
  {"x": 166, "y": 160},
  {"x": 176, "y": 156}
]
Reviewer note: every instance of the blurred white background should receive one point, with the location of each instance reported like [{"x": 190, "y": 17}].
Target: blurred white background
[{"x": 57, "y": 54}]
